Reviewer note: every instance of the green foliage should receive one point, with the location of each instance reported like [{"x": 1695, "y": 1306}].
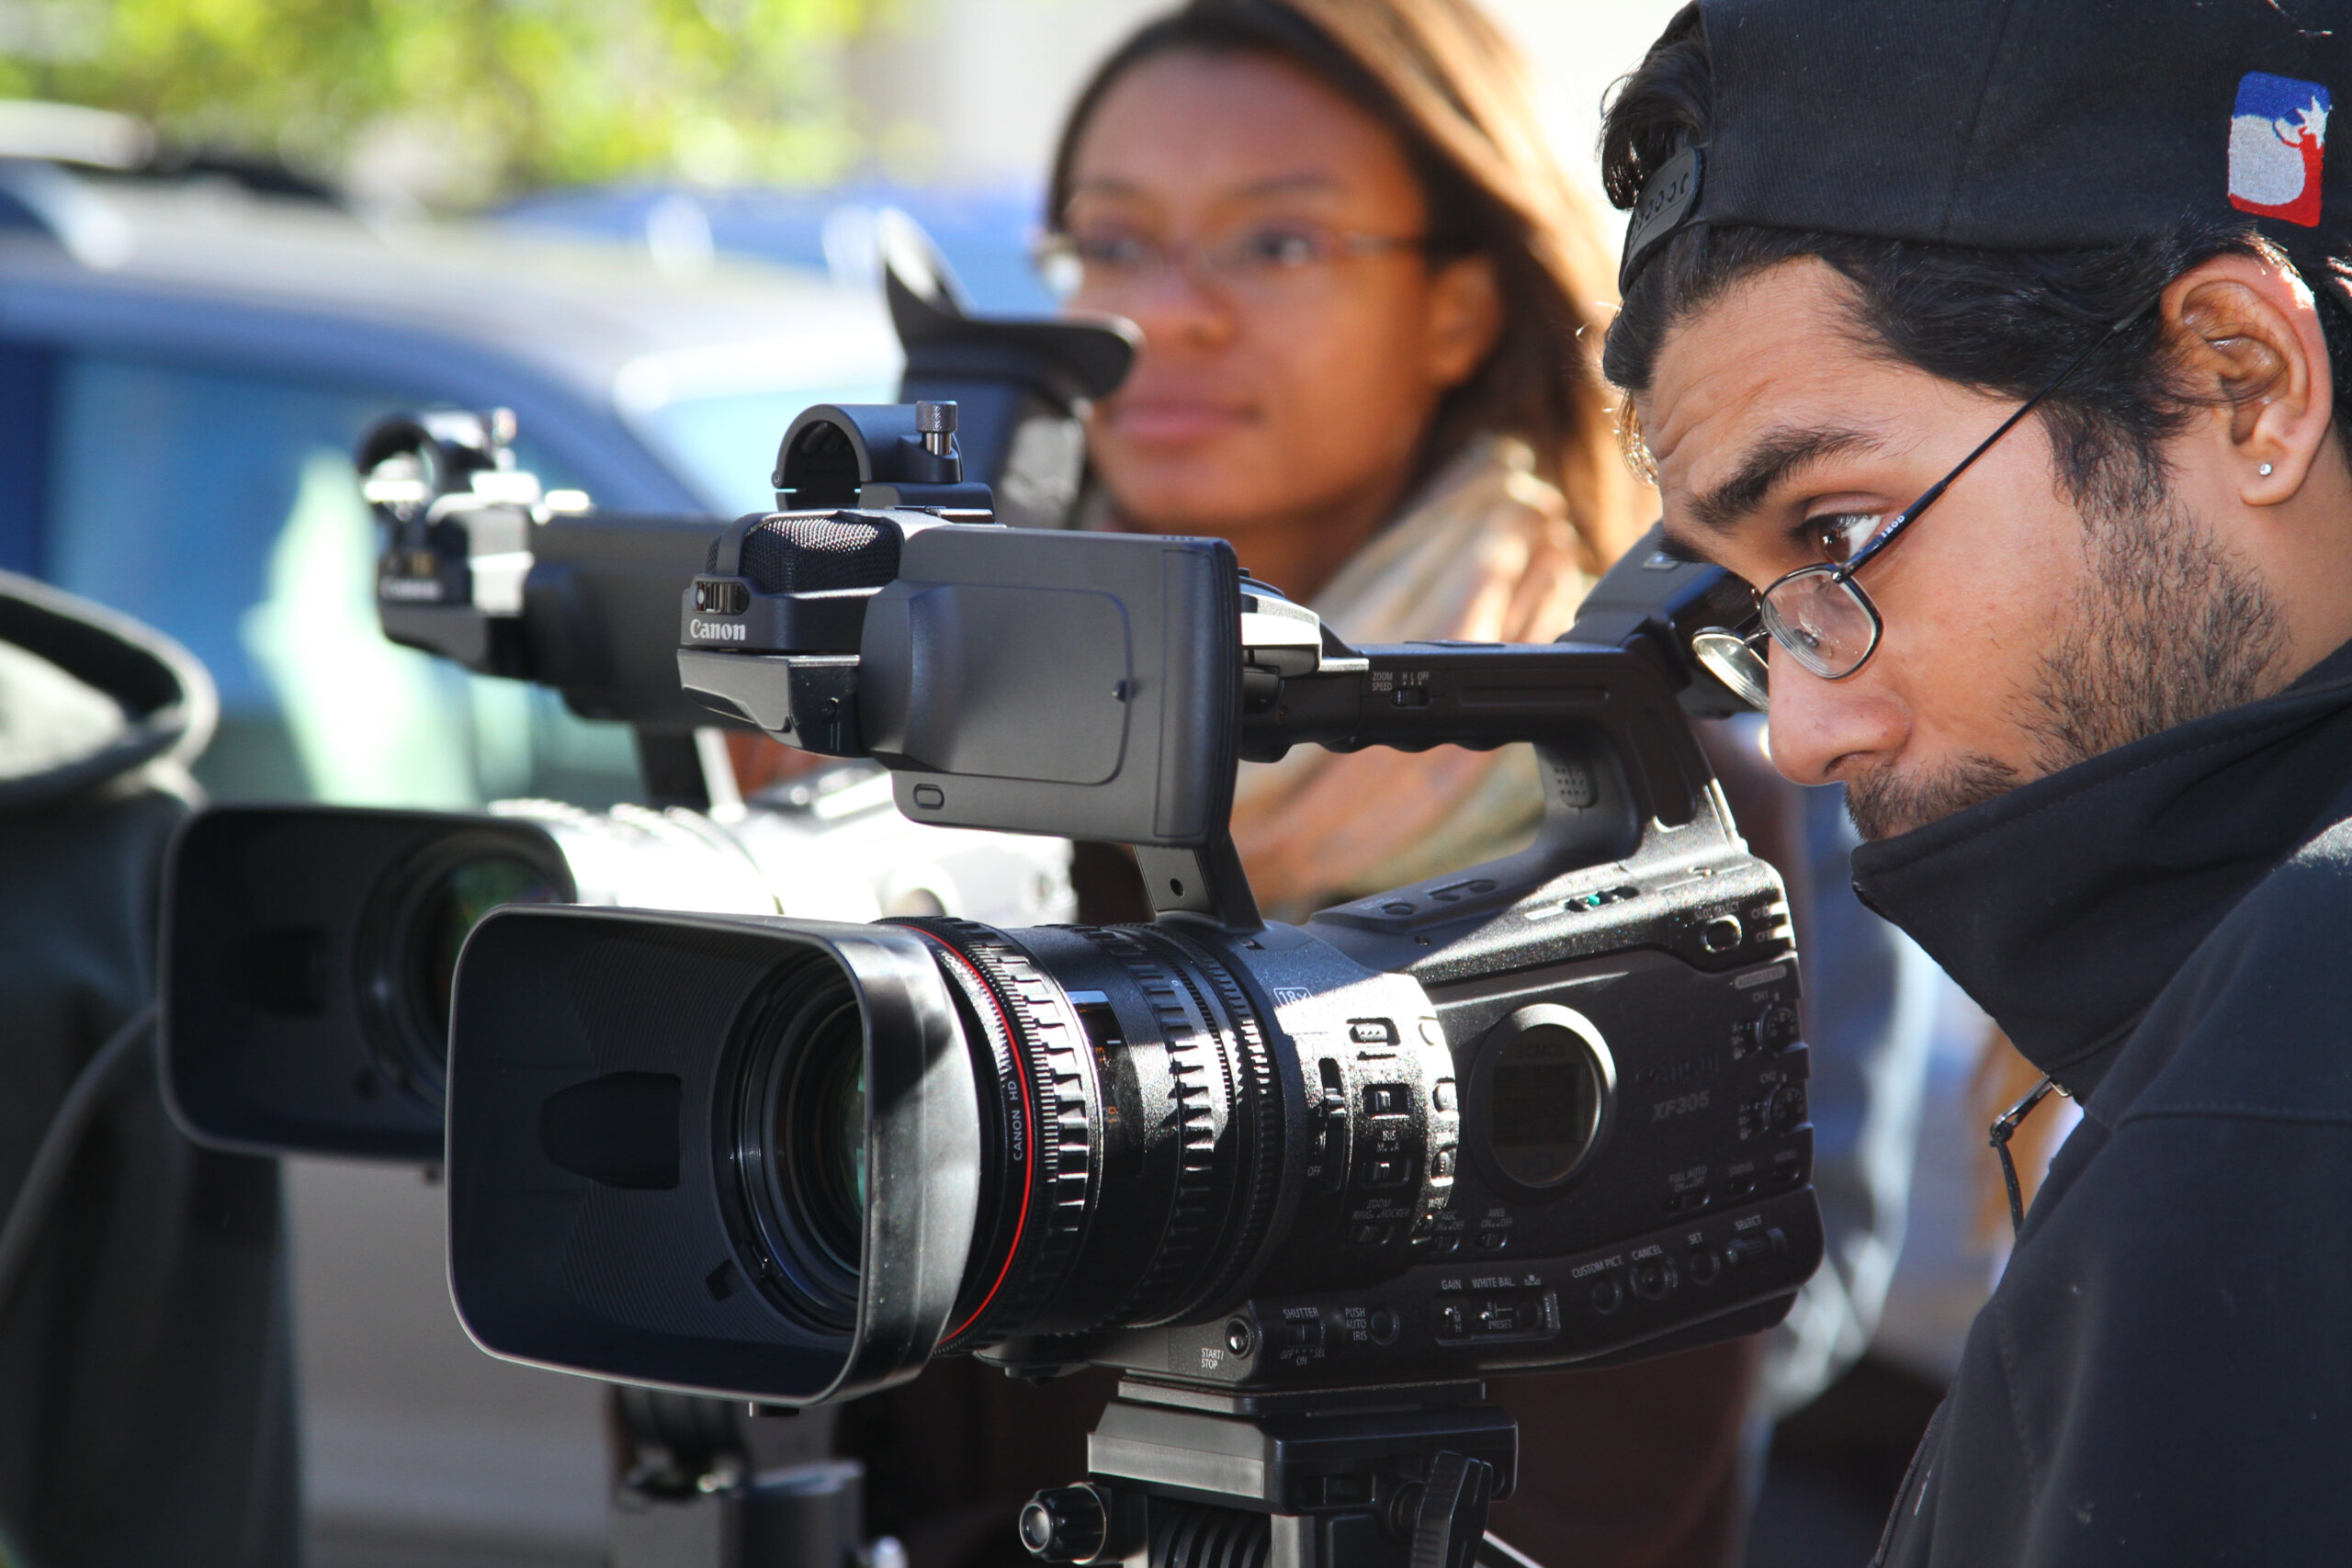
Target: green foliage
[{"x": 469, "y": 99}]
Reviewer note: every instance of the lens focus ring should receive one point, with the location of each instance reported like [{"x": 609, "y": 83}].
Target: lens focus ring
[{"x": 1062, "y": 1107}]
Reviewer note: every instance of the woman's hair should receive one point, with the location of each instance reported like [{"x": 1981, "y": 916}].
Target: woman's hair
[{"x": 1454, "y": 89}]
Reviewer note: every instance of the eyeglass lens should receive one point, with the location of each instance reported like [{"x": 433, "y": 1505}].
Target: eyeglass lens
[
  {"x": 1269, "y": 258},
  {"x": 1822, "y": 619}
]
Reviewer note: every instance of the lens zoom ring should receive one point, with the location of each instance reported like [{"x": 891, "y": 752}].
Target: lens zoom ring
[
  {"x": 1197, "y": 1057},
  {"x": 1053, "y": 1051}
]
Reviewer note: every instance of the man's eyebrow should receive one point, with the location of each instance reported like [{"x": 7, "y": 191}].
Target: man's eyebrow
[{"x": 1769, "y": 464}]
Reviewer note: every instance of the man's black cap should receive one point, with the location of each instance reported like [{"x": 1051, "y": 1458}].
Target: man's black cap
[{"x": 2012, "y": 124}]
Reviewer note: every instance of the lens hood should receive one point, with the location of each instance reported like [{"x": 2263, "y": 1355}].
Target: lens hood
[{"x": 600, "y": 1062}]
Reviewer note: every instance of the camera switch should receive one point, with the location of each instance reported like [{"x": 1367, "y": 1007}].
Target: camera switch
[
  {"x": 1412, "y": 696},
  {"x": 1386, "y": 1099},
  {"x": 1393, "y": 1171}
]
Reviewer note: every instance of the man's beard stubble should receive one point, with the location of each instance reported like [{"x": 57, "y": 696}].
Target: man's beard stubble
[{"x": 2167, "y": 629}]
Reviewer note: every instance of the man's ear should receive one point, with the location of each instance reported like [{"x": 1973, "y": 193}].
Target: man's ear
[
  {"x": 1465, "y": 318},
  {"x": 2246, "y": 335}
]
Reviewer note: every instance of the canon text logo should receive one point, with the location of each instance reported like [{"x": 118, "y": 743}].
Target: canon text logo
[{"x": 718, "y": 631}]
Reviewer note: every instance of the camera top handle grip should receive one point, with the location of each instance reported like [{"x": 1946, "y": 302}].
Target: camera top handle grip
[{"x": 1416, "y": 696}]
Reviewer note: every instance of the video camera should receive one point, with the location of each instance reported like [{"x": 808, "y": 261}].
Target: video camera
[
  {"x": 1541, "y": 1112},
  {"x": 309, "y": 950}
]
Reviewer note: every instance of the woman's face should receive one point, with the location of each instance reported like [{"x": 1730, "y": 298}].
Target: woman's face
[{"x": 1295, "y": 351}]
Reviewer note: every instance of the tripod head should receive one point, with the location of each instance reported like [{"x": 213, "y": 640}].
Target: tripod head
[{"x": 1184, "y": 1476}]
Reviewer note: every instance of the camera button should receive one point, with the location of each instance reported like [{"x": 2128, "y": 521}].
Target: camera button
[
  {"x": 1608, "y": 1296},
  {"x": 1444, "y": 1095}
]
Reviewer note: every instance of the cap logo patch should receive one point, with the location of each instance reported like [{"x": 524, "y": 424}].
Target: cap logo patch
[{"x": 2278, "y": 137}]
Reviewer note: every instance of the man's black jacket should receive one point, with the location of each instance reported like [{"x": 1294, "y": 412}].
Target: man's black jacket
[{"x": 2165, "y": 1375}]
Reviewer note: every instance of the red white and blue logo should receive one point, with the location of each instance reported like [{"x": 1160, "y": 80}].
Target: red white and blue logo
[{"x": 2278, "y": 139}]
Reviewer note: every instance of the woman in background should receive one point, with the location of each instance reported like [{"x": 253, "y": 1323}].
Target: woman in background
[
  {"x": 1364, "y": 290},
  {"x": 1371, "y": 308}
]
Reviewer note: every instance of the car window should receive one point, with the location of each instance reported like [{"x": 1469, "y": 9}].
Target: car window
[{"x": 222, "y": 508}]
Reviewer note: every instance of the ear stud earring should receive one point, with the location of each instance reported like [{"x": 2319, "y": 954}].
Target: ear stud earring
[{"x": 2264, "y": 471}]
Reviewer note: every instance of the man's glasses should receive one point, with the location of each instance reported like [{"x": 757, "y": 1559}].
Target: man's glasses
[
  {"x": 1819, "y": 615},
  {"x": 1266, "y": 259}
]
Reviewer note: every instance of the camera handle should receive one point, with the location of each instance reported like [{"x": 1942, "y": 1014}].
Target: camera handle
[
  {"x": 1205, "y": 881},
  {"x": 1191, "y": 1477}
]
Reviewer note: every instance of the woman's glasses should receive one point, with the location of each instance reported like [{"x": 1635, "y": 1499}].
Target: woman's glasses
[
  {"x": 1263, "y": 260},
  {"x": 1820, "y": 616}
]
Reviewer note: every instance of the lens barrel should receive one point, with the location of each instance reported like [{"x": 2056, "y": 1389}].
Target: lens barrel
[
  {"x": 795, "y": 1161},
  {"x": 1130, "y": 1127}
]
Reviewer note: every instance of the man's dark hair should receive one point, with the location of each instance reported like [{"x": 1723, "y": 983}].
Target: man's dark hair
[{"x": 2003, "y": 321}]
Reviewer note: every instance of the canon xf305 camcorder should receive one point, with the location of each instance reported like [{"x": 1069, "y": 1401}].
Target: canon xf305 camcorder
[{"x": 1545, "y": 1110}]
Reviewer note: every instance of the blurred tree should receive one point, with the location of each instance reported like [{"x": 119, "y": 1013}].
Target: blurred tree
[{"x": 462, "y": 101}]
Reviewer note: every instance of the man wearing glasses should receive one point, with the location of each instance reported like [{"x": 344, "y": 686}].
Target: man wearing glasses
[{"x": 1998, "y": 344}]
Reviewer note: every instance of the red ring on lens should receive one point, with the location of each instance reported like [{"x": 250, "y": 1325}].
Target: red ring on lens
[{"x": 1029, "y": 1163}]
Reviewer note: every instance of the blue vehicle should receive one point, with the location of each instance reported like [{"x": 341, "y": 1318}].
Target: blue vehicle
[{"x": 186, "y": 364}]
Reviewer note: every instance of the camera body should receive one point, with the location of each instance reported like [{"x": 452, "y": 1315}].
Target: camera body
[
  {"x": 308, "y": 951},
  {"x": 1541, "y": 1112}
]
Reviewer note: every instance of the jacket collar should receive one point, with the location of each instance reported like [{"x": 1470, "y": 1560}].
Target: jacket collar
[{"x": 2065, "y": 906}]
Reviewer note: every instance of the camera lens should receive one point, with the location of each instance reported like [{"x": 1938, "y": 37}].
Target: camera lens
[
  {"x": 799, "y": 1144},
  {"x": 411, "y": 933},
  {"x": 1130, "y": 1137},
  {"x": 451, "y": 907},
  {"x": 820, "y": 1127}
]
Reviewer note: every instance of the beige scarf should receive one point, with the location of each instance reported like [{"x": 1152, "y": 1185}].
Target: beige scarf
[{"x": 1486, "y": 554}]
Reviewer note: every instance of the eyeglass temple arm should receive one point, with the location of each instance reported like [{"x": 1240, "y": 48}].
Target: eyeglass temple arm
[{"x": 1910, "y": 513}]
